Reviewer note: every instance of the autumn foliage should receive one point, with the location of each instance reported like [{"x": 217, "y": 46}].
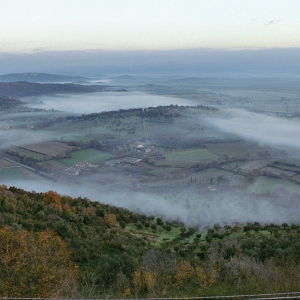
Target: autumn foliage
[
  {"x": 35, "y": 265},
  {"x": 45, "y": 236},
  {"x": 53, "y": 200},
  {"x": 110, "y": 220}
]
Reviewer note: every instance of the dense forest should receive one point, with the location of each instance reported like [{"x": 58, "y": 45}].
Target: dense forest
[{"x": 54, "y": 245}]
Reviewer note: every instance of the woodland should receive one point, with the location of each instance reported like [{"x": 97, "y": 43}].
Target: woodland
[{"x": 58, "y": 246}]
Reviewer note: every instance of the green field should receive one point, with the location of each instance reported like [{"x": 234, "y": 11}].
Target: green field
[
  {"x": 234, "y": 149},
  {"x": 290, "y": 161},
  {"x": 286, "y": 167},
  {"x": 16, "y": 173},
  {"x": 207, "y": 174},
  {"x": 191, "y": 155},
  {"x": 28, "y": 153},
  {"x": 159, "y": 236},
  {"x": 264, "y": 185},
  {"x": 87, "y": 155},
  {"x": 163, "y": 171},
  {"x": 52, "y": 165}
]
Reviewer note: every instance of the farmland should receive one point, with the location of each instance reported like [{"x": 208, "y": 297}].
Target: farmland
[
  {"x": 172, "y": 148},
  {"x": 86, "y": 155},
  {"x": 192, "y": 155},
  {"x": 265, "y": 185},
  {"x": 49, "y": 148},
  {"x": 16, "y": 174},
  {"x": 51, "y": 166},
  {"x": 174, "y": 144},
  {"x": 234, "y": 149},
  {"x": 4, "y": 164}
]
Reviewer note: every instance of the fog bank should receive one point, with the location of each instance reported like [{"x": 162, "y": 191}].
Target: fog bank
[
  {"x": 266, "y": 130},
  {"x": 19, "y": 137},
  {"x": 189, "y": 207},
  {"x": 104, "y": 101}
]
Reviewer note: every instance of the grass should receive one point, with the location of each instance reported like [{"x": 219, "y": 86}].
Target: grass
[
  {"x": 5, "y": 164},
  {"x": 52, "y": 165},
  {"x": 291, "y": 161},
  {"x": 28, "y": 153},
  {"x": 87, "y": 155},
  {"x": 160, "y": 235},
  {"x": 170, "y": 235},
  {"x": 207, "y": 174},
  {"x": 162, "y": 171},
  {"x": 286, "y": 167},
  {"x": 233, "y": 149},
  {"x": 191, "y": 155},
  {"x": 13, "y": 174},
  {"x": 264, "y": 184},
  {"x": 297, "y": 177}
]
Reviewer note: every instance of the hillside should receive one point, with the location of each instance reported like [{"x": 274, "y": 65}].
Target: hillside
[
  {"x": 6, "y": 103},
  {"x": 121, "y": 254}
]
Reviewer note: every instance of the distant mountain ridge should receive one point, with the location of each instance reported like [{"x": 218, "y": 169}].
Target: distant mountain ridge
[
  {"x": 39, "y": 77},
  {"x": 26, "y": 89}
]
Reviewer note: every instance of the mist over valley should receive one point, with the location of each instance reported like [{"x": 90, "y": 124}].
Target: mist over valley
[
  {"x": 104, "y": 101},
  {"x": 197, "y": 150},
  {"x": 149, "y": 149}
]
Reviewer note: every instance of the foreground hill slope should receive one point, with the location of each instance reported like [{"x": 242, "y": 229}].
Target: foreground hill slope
[{"x": 108, "y": 250}]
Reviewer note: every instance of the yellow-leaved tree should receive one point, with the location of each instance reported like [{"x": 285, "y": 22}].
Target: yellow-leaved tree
[{"x": 35, "y": 265}]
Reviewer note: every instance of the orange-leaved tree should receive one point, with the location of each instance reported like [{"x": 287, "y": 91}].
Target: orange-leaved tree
[
  {"x": 35, "y": 265},
  {"x": 53, "y": 200}
]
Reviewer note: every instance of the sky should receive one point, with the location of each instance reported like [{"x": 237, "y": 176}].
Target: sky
[{"x": 31, "y": 26}]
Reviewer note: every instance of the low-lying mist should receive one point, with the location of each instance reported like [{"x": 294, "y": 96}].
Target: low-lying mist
[
  {"x": 181, "y": 202},
  {"x": 104, "y": 101},
  {"x": 19, "y": 137},
  {"x": 184, "y": 205},
  {"x": 19, "y": 128},
  {"x": 280, "y": 133}
]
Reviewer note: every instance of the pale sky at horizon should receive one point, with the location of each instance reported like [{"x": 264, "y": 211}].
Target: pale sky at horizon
[{"x": 30, "y": 26}]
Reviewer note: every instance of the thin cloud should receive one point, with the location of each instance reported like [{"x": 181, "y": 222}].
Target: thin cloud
[{"x": 265, "y": 130}]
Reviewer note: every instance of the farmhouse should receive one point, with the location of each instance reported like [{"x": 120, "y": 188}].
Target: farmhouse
[
  {"x": 212, "y": 188},
  {"x": 81, "y": 165}
]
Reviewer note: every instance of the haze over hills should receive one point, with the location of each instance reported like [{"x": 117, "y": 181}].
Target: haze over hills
[
  {"x": 39, "y": 77},
  {"x": 189, "y": 62},
  {"x": 26, "y": 89}
]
